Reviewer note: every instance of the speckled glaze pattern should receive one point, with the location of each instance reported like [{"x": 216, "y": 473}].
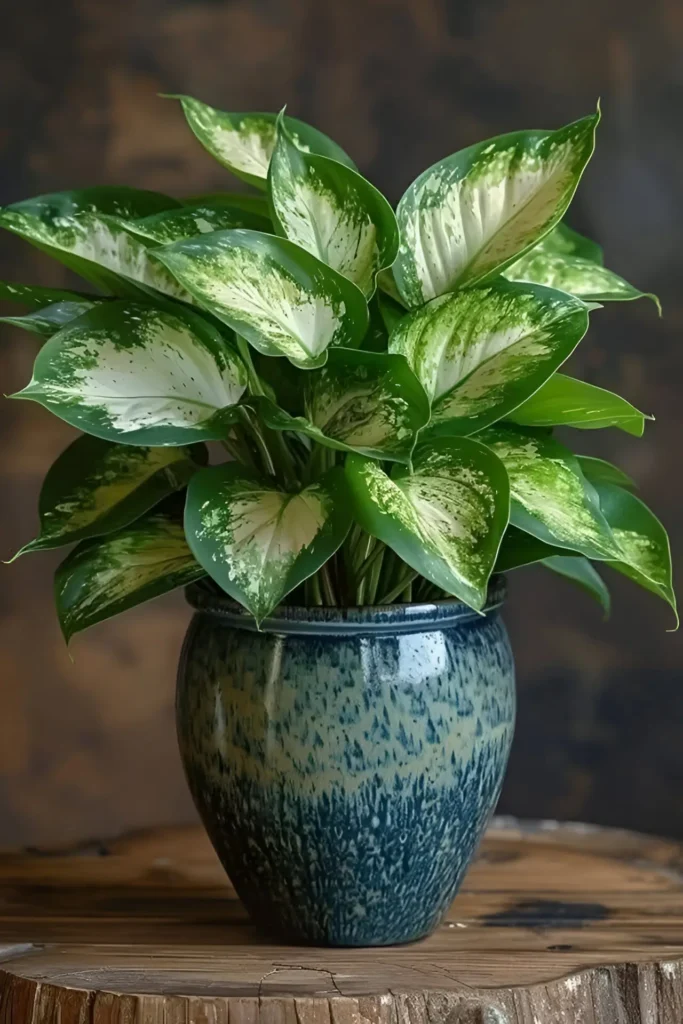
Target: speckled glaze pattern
[{"x": 345, "y": 762}]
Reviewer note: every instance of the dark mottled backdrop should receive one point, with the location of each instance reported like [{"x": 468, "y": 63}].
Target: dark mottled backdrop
[{"x": 88, "y": 746}]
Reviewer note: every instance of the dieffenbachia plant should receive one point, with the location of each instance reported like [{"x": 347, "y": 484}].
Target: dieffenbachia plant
[{"x": 385, "y": 383}]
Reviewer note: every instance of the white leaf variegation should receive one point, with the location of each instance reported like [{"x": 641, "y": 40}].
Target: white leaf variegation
[
  {"x": 257, "y": 541},
  {"x": 140, "y": 375},
  {"x": 369, "y": 402},
  {"x": 108, "y": 575},
  {"x": 568, "y": 261},
  {"x": 244, "y": 143},
  {"x": 445, "y": 519},
  {"x": 96, "y": 487},
  {"x": 85, "y": 230},
  {"x": 565, "y": 401},
  {"x": 481, "y": 352},
  {"x": 473, "y": 213},
  {"x": 283, "y": 300},
  {"x": 331, "y": 211},
  {"x": 551, "y": 499},
  {"x": 642, "y": 541}
]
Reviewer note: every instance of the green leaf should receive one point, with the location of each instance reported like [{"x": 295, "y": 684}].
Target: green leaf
[
  {"x": 106, "y": 576},
  {"x": 189, "y": 221},
  {"x": 140, "y": 375},
  {"x": 481, "y": 352},
  {"x": 244, "y": 143},
  {"x": 470, "y": 215},
  {"x": 446, "y": 519},
  {"x": 600, "y": 472},
  {"x": 84, "y": 230},
  {"x": 46, "y": 322},
  {"x": 519, "y": 548},
  {"x": 259, "y": 542},
  {"x": 644, "y": 552},
  {"x": 565, "y": 401},
  {"x": 331, "y": 211},
  {"x": 257, "y": 204},
  {"x": 359, "y": 401},
  {"x": 580, "y": 571},
  {"x": 36, "y": 297},
  {"x": 284, "y": 301},
  {"x": 96, "y": 487},
  {"x": 387, "y": 285},
  {"x": 551, "y": 499},
  {"x": 568, "y": 261}
]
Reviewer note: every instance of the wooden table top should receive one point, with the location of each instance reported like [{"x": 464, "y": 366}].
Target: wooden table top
[{"x": 554, "y": 924}]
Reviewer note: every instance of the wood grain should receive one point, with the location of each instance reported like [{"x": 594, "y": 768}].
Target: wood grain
[{"x": 555, "y": 924}]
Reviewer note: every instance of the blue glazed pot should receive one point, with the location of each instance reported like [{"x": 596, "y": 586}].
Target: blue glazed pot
[{"x": 345, "y": 763}]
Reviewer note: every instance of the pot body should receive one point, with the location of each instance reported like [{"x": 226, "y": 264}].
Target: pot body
[{"x": 345, "y": 763}]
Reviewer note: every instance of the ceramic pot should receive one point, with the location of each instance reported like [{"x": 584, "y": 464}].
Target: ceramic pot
[{"x": 345, "y": 762}]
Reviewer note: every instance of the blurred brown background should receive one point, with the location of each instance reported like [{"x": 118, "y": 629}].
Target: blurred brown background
[{"x": 88, "y": 747}]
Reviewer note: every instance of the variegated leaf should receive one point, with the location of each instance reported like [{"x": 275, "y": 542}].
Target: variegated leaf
[
  {"x": 108, "y": 575},
  {"x": 565, "y": 401},
  {"x": 188, "y": 221},
  {"x": 551, "y": 499},
  {"x": 579, "y": 570},
  {"x": 140, "y": 375},
  {"x": 597, "y": 471},
  {"x": 568, "y": 261},
  {"x": 85, "y": 231},
  {"x": 445, "y": 519},
  {"x": 643, "y": 544},
  {"x": 519, "y": 548},
  {"x": 283, "y": 300},
  {"x": 96, "y": 487},
  {"x": 36, "y": 297},
  {"x": 475, "y": 212},
  {"x": 259, "y": 542},
  {"x": 331, "y": 211},
  {"x": 46, "y": 322},
  {"x": 256, "y": 204},
  {"x": 359, "y": 401},
  {"x": 244, "y": 143},
  {"x": 481, "y": 352}
]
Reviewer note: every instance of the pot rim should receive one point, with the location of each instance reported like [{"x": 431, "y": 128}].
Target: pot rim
[{"x": 382, "y": 619}]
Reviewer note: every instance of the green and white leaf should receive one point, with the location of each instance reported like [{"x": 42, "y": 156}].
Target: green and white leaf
[
  {"x": 244, "y": 143},
  {"x": 108, "y": 575},
  {"x": 279, "y": 297},
  {"x": 475, "y": 212},
  {"x": 331, "y": 211},
  {"x": 259, "y": 542},
  {"x": 551, "y": 499},
  {"x": 580, "y": 571},
  {"x": 644, "y": 551},
  {"x": 481, "y": 352},
  {"x": 254, "y": 204},
  {"x": 85, "y": 231},
  {"x": 568, "y": 261},
  {"x": 446, "y": 519},
  {"x": 46, "y": 322},
  {"x": 519, "y": 548},
  {"x": 565, "y": 401},
  {"x": 188, "y": 221},
  {"x": 359, "y": 401},
  {"x": 96, "y": 487},
  {"x": 600, "y": 472},
  {"x": 36, "y": 297},
  {"x": 140, "y": 375}
]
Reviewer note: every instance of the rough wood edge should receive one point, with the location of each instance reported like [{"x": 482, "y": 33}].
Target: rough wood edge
[{"x": 629, "y": 993}]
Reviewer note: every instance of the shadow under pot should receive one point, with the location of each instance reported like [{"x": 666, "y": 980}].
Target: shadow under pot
[{"x": 345, "y": 762}]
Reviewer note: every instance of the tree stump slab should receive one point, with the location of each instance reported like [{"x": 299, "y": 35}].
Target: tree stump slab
[{"x": 555, "y": 924}]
